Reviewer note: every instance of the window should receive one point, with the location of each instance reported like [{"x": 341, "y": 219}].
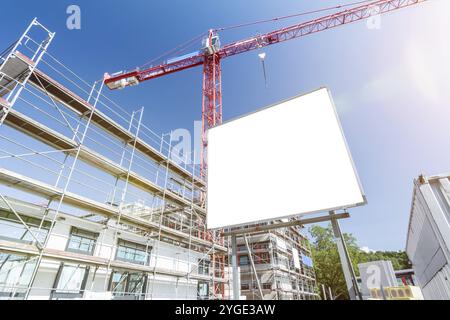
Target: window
[
  {"x": 267, "y": 285},
  {"x": 294, "y": 285},
  {"x": 260, "y": 246},
  {"x": 128, "y": 285},
  {"x": 203, "y": 267},
  {"x": 12, "y": 229},
  {"x": 203, "y": 291},
  {"x": 132, "y": 252},
  {"x": 245, "y": 286},
  {"x": 262, "y": 258},
  {"x": 70, "y": 281},
  {"x": 82, "y": 241},
  {"x": 243, "y": 260},
  {"x": 15, "y": 274}
]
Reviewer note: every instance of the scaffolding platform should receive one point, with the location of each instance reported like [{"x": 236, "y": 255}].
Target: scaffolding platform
[
  {"x": 19, "y": 181},
  {"x": 101, "y": 174},
  {"x": 77, "y": 104},
  {"x": 13, "y": 69},
  {"x": 72, "y": 257},
  {"x": 54, "y": 139}
]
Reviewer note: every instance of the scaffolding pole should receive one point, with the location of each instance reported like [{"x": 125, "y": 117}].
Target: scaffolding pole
[
  {"x": 236, "y": 276},
  {"x": 38, "y": 242},
  {"x": 42, "y": 48},
  {"x": 36, "y": 268},
  {"x": 166, "y": 178},
  {"x": 124, "y": 190},
  {"x": 79, "y": 128},
  {"x": 253, "y": 267}
]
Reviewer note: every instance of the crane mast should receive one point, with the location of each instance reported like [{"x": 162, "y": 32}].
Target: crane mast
[{"x": 212, "y": 53}]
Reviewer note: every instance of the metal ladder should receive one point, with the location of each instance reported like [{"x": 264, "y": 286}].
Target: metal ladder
[{"x": 16, "y": 67}]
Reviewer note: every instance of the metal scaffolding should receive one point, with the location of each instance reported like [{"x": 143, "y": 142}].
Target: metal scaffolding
[
  {"x": 275, "y": 263},
  {"x": 68, "y": 161}
]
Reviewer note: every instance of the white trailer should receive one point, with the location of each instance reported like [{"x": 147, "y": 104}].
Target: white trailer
[{"x": 428, "y": 240}]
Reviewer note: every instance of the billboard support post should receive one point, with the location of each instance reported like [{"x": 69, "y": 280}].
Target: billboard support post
[{"x": 347, "y": 268}]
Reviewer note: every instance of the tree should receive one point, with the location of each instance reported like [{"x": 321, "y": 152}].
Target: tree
[
  {"x": 399, "y": 259},
  {"x": 327, "y": 264}
]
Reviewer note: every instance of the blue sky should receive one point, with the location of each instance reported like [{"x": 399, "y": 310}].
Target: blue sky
[{"x": 390, "y": 85}]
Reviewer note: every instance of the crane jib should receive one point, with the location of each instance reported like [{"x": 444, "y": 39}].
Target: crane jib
[
  {"x": 212, "y": 53},
  {"x": 291, "y": 32}
]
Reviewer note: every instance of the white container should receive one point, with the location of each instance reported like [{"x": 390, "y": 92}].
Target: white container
[
  {"x": 376, "y": 274},
  {"x": 428, "y": 240}
]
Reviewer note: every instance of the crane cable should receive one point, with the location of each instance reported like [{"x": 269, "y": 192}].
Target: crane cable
[
  {"x": 184, "y": 45},
  {"x": 175, "y": 50},
  {"x": 294, "y": 15}
]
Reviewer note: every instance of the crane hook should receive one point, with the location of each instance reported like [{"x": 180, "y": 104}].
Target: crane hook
[{"x": 262, "y": 57}]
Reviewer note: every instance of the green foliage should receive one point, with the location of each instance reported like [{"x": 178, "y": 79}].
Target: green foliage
[{"x": 327, "y": 264}]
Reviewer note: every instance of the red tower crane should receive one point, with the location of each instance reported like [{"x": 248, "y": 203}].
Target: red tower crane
[{"x": 212, "y": 53}]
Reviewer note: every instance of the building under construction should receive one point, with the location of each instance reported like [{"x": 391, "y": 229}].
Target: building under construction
[
  {"x": 278, "y": 266},
  {"x": 95, "y": 205}
]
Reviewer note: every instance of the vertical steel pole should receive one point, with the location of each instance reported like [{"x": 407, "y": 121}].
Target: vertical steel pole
[
  {"x": 191, "y": 218},
  {"x": 124, "y": 191},
  {"x": 61, "y": 199},
  {"x": 249, "y": 250},
  {"x": 330, "y": 293},
  {"x": 324, "y": 292},
  {"x": 347, "y": 268},
  {"x": 236, "y": 289},
  {"x": 161, "y": 215},
  {"x": 272, "y": 265}
]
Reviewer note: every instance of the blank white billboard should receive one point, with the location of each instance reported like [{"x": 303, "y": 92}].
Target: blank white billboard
[{"x": 285, "y": 160}]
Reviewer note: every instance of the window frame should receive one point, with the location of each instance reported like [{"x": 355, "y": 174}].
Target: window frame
[
  {"x": 203, "y": 265},
  {"x": 244, "y": 257},
  {"x": 94, "y": 238},
  {"x": 31, "y": 222},
  {"x": 126, "y": 294},
  {"x": 135, "y": 246},
  {"x": 19, "y": 288},
  {"x": 245, "y": 286},
  {"x": 202, "y": 297},
  {"x": 65, "y": 295}
]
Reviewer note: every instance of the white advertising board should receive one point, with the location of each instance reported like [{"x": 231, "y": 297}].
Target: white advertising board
[{"x": 285, "y": 160}]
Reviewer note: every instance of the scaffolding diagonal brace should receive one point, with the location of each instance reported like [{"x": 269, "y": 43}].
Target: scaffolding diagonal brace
[
  {"x": 38, "y": 242},
  {"x": 253, "y": 266}
]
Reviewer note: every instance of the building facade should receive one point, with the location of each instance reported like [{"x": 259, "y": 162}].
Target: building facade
[
  {"x": 93, "y": 203},
  {"x": 283, "y": 264},
  {"x": 428, "y": 240}
]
